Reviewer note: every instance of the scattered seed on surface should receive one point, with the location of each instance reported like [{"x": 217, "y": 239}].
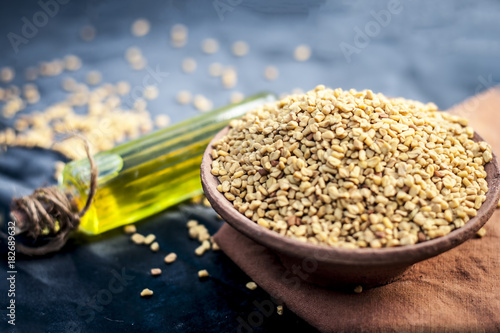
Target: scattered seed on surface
[
  {"x": 215, "y": 246},
  {"x": 170, "y": 258},
  {"x": 151, "y": 92},
  {"x": 184, "y": 97},
  {"x": 88, "y": 33},
  {"x": 481, "y": 232},
  {"x": 251, "y": 285},
  {"x": 189, "y": 65},
  {"x": 271, "y": 73},
  {"x": 498, "y": 205},
  {"x": 140, "y": 27},
  {"x": 191, "y": 223},
  {"x": 146, "y": 293},
  {"x": 279, "y": 310},
  {"x": 149, "y": 239},
  {"x": 203, "y": 274},
  {"x": 215, "y": 69},
  {"x": 240, "y": 48},
  {"x": 302, "y": 53},
  {"x": 200, "y": 250},
  {"x": 209, "y": 46},
  {"x": 122, "y": 88},
  {"x": 155, "y": 247},
  {"x": 130, "y": 229},
  {"x": 137, "y": 238},
  {"x": 162, "y": 121},
  {"x": 155, "y": 271},
  {"x": 7, "y": 74},
  {"x": 236, "y": 97},
  {"x": 358, "y": 289},
  {"x": 229, "y": 77},
  {"x": 94, "y": 77},
  {"x": 202, "y": 103},
  {"x": 72, "y": 63},
  {"x": 178, "y": 35}
]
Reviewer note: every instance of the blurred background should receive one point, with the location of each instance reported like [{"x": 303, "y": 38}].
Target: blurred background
[{"x": 142, "y": 65}]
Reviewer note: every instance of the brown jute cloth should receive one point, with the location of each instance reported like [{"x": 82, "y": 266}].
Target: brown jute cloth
[{"x": 456, "y": 291}]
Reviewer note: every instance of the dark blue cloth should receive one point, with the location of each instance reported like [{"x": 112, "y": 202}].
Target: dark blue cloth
[{"x": 439, "y": 51}]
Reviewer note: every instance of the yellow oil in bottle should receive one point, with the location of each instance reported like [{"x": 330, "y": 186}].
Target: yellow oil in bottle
[{"x": 147, "y": 175}]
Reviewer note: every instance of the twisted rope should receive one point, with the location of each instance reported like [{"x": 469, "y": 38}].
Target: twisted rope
[{"x": 51, "y": 209}]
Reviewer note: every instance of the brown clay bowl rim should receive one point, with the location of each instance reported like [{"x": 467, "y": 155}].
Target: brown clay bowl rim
[{"x": 367, "y": 256}]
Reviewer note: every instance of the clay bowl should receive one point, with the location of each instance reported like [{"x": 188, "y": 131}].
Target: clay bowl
[{"x": 337, "y": 267}]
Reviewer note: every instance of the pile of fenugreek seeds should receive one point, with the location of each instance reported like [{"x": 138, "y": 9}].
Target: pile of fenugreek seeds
[{"x": 353, "y": 169}]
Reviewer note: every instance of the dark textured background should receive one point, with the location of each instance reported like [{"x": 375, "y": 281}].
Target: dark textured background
[{"x": 440, "y": 51}]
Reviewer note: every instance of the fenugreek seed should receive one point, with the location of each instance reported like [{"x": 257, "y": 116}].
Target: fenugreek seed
[
  {"x": 215, "y": 246},
  {"x": 146, "y": 293},
  {"x": 162, "y": 120},
  {"x": 189, "y": 65},
  {"x": 358, "y": 289},
  {"x": 140, "y": 27},
  {"x": 271, "y": 73},
  {"x": 240, "y": 48},
  {"x": 170, "y": 258},
  {"x": 236, "y": 97},
  {"x": 129, "y": 229},
  {"x": 251, "y": 285},
  {"x": 178, "y": 35},
  {"x": 202, "y": 103},
  {"x": 155, "y": 271},
  {"x": 184, "y": 97},
  {"x": 191, "y": 223},
  {"x": 302, "y": 53},
  {"x": 200, "y": 250},
  {"x": 279, "y": 310},
  {"x": 150, "y": 92},
  {"x": 209, "y": 46},
  {"x": 137, "y": 238},
  {"x": 155, "y": 247},
  {"x": 498, "y": 205},
  {"x": 481, "y": 232},
  {"x": 229, "y": 77},
  {"x": 203, "y": 274},
  {"x": 94, "y": 78},
  {"x": 149, "y": 239}
]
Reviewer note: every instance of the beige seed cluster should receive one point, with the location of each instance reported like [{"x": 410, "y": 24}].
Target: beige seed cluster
[
  {"x": 200, "y": 233},
  {"x": 353, "y": 169},
  {"x": 107, "y": 121}
]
